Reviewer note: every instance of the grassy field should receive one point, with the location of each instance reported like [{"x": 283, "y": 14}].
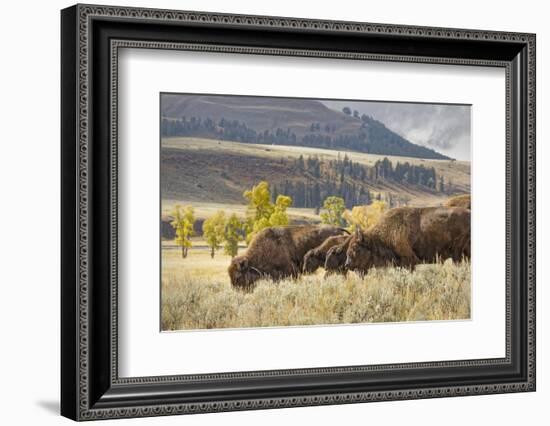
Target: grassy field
[
  {"x": 196, "y": 294},
  {"x": 197, "y": 265}
]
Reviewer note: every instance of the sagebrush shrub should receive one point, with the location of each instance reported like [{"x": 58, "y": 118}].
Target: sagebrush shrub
[{"x": 430, "y": 292}]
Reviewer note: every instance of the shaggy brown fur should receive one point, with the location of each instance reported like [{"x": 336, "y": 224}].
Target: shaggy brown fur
[
  {"x": 277, "y": 252},
  {"x": 464, "y": 201},
  {"x": 336, "y": 258},
  {"x": 315, "y": 258},
  {"x": 407, "y": 236}
]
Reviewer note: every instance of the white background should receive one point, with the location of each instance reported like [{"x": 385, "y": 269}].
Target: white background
[
  {"x": 29, "y": 223},
  {"x": 146, "y": 352}
]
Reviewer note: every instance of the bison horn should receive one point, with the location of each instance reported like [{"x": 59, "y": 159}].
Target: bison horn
[{"x": 256, "y": 269}]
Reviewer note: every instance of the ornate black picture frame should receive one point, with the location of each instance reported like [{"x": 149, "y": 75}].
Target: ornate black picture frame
[{"x": 91, "y": 36}]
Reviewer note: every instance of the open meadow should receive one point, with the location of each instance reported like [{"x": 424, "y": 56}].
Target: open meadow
[{"x": 197, "y": 294}]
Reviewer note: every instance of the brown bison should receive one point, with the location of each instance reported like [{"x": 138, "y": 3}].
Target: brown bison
[
  {"x": 464, "y": 201},
  {"x": 315, "y": 258},
  {"x": 407, "y": 236},
  {"x": 277, "y": 252},
  {"x": 336, "y": 258}
]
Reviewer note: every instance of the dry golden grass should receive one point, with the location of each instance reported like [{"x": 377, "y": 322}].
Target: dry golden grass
[
  {"x": 196, "y": 294},
  {"x": 197, "y": 265}
]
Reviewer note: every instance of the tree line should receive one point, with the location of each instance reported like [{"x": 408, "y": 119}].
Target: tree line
[
  {"x": 222, "y": 230},
  {"x": 218, "y": 230},
  {"x": 226, "y": 231},
  {"x": 371, "y": 136},
  {"x": 349, "y": 180},
  {"x": 231, "y": 130}
]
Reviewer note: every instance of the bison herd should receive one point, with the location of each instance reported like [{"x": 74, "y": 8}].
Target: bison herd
[{"x": 404, "y": 236}]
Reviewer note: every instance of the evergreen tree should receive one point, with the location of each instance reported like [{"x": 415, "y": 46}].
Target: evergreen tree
[{"x": 300, "y": 163}]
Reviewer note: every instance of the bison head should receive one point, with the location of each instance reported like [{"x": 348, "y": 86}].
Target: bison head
[
  {"x": 242, "y": 274},
  {"x": 312, "y": 261},
  {"x": 336, "y": 258},
  {"x": 367, "y": 251}
]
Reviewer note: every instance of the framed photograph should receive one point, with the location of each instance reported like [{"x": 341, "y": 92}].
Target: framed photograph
[{"x": 263, "y": 212}]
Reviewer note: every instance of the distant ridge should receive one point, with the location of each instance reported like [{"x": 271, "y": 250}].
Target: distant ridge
[{"x": 282, "y": 121}]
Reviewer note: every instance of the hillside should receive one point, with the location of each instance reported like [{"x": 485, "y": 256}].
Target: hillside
[
  {"x": 281, "y": 121},
  {"x": 258, "y": 113},
  {"x": 204, "y": 171}
]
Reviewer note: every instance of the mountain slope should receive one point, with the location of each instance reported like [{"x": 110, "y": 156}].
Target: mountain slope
[
  {"x": 258, "y": 113},
  {"x": 281, "y": 121}
]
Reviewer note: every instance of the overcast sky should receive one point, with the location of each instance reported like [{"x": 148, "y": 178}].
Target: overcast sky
[{"x": 445, "y": 128}]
